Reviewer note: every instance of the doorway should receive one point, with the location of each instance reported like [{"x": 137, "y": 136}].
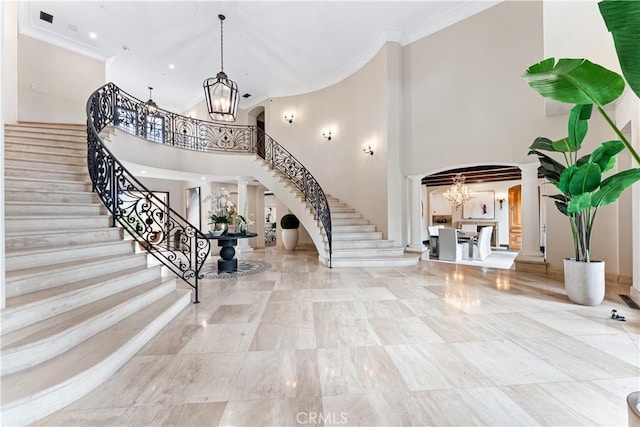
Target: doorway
[{"x": 515, "y": 218}]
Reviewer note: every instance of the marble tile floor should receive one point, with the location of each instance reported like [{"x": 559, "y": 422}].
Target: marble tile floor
[{"x": 436, "y": 344}]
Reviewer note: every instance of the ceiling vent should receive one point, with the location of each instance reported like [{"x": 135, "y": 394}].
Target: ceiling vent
[
  {"x": 46, "y": 17},
  {"x": 246, "y": 95}
]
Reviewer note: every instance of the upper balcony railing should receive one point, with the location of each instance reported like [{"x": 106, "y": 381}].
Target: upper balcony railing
[{"x": 110, "y": 105}]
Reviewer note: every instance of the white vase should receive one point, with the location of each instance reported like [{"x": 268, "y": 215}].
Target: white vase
[
  {"x": 584, "y": 281},
  {"x": 289, "y": 238}
]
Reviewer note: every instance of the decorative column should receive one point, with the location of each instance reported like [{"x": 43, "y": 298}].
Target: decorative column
[
  {"x": 415, "y": 215},
  {"x": 243, "y": 201},
  {"x": 530, "y": 214}
]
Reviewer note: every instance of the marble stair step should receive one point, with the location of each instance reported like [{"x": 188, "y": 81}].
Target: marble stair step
[
  {"x": 42, "y": 341},
  {"x": 32, "y": 394},
  {"x": 340, "y": 229},
  {"x": 41, "y": 239},
  {"x": 45, "y": 174},
  {"x": 28, "y": 184},
  {"x": 49, "y": 128},
  {"x": 368, "y": 253},
  {"x": 343, "y": 215},
  {"x": 35, "y": 257},
  {"x": 334, "y": 210},
  {"x": 362, "y": 244},
  {"x": 20, "y": 282},
  {"x": 55, "y": 222},
  {"x": 43, "y": 157},
  {"x": 25, "y": 145},
  {"x": 404, "y": 261},
  {"x": 31, "y": 165},
  {"x": 24, "y": 310},
  {"x": 40, "y": 208},
  {"x": 377, "y": 235},
  {"x": 46, "y": 134},
  {"x": 48, "y": 196},
  {"x": 349, "y": 221}
]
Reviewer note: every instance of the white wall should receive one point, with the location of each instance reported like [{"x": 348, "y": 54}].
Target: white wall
[{"x": 55, "y": 83}]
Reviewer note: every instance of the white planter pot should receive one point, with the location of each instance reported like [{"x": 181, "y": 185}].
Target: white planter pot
[
  {"x": 584, "y": 281},
  {"x": 290, "y": 238}
]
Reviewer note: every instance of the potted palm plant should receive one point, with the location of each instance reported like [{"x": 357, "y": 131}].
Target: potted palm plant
[{"x": 580, "y": 178}]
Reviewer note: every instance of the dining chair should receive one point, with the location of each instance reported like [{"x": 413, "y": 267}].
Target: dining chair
[
  {"x": 482, "y": 247},
  {"x": 448, "y": 247}
]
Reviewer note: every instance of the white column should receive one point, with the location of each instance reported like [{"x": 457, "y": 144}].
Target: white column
[
  {"x": 530, "y": 211},
  {"x": 243, "y": 202},
  {"x": 415, "y": 215}
]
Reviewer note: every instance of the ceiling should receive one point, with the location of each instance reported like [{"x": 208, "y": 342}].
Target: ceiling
[
  {"x": 475, "y": 174},
  {"x": 271, "y": 49}
]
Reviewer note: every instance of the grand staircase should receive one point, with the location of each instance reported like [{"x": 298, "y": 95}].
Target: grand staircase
[{"x": 79, "y": 301}]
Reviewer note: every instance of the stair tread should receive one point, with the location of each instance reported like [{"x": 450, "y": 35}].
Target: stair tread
[
  {"x": 86, "y": 180},
  {"x": 50, "y": 191},
  {"x": 44, "y": 377},
  {"x": 57, "y": 248},
  {"x": 56, "y": 291},
  {"x": 52, "y": 232},
  {"x": 74, "y": 318},
  {"x": 45, "y": 217},
  {"x": 64, "y": 266}
]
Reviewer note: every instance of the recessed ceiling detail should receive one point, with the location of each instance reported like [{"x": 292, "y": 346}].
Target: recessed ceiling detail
[{"x": 475, "y": 174}]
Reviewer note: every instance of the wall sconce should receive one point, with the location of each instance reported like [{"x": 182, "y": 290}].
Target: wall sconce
[
  {"x": 367, "y": 149},
  {"x": 500, "y": 202},
  {"x": 289, "y": 118},
  {"x": 327, "y": 135}
]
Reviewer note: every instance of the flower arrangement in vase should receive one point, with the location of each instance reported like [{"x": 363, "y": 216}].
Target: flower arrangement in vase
[{"x": 221, "y": 212}]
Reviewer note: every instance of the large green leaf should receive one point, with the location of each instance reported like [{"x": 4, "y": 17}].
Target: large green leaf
[
  {"x": 549, "y": 168},
  {"x": 605, "y": 154},
  {"x": 612, "y": 187},
  {"x": 565, "y": 179},
  {"x": 623, "y": 21},
  {"x": 542, "y": 143},
  {"x": 585, "y": 179},
  {"x": 579, "y": 203},
  {"x": 574, "y": 81},
  {"x": 563, "y": 146},
  {"x": 578, "y": 125}
]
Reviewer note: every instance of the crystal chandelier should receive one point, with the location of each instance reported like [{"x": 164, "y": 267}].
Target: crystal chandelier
[{"x": 458, "y": 194}]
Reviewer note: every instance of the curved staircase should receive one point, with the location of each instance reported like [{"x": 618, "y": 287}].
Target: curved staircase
[{"x": 80, "y": 302}]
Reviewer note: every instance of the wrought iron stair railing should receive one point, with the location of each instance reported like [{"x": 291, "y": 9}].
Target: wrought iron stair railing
[
  {"x": 160, "y": 230},
  {"x": 113, "y": 106}
]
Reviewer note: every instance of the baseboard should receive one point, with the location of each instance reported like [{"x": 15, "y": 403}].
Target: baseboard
[
  {"x": 558, "y": 273},
  {"x": 625, "y": 280}
]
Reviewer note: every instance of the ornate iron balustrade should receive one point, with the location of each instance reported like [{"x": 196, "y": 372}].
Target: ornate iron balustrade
[
  {"x": 160, "y": 230},
  {"x": 135, "y": 117}
]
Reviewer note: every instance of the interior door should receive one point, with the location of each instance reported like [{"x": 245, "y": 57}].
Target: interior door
[{"x": 515, "y": 218}]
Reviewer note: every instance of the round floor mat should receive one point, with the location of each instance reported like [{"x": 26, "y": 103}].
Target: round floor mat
[{"x": 245, "y": 268}]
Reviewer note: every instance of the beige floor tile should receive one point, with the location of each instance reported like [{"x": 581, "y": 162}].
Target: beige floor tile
[
  {"x": 345, "y": 333},
  {"x": 569, "y": 404},
  {"x": 621, "y": 347},
  {"x": 194, "y": 378},
  {"x": 462, "y": 328},
  {"x": 578, "y": 360},
  {"x": 236, "y": 313},
  {"x": 436, "y": 366},
  {"x": 185, "y": 414},
  {"x": 404, "y": 330},
  {"x": 372, "y": 409},
  {"x": 221, "y": 338},
  {"x": 278, "y": 374},
  {"x": 357, "y": 370},
  {"x": 278, "y": 336},
  {"x": 291, "y": 313},
  {"x": 385, "y": 309},
  {"x": 504, "y": 362},
  {"x": 573, "y": 324},
  {"x": 274, "y": 412},
  {"x": 82, "y": 417}
]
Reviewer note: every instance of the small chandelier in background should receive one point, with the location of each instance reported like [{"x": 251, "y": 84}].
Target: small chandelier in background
[
  {"x": 221, "y": 93},
  {"x": 458, "y": 194},
  {"x": 151, "y": 105}
]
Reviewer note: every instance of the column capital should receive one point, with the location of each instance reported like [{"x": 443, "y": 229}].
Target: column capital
[{"x": 529, "y": 166}]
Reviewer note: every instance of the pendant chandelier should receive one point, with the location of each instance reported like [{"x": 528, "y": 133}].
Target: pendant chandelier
[
  {"x": 150, "y": 104},
  {"x": 458, "y": 194},
  {"x": 221, "y": 94}
]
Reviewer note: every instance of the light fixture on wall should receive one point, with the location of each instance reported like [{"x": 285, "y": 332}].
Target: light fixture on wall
[
  {"x": 289, "y": 117},
  {"x": 150, "y": 104},
  {"x": 458, "y": 194},
  {"x": 500, "y": 201},
  {"x": 367, "y": 149},
  {"x": 327, "y": 135},
  {"x": 221, "y": 93}
]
